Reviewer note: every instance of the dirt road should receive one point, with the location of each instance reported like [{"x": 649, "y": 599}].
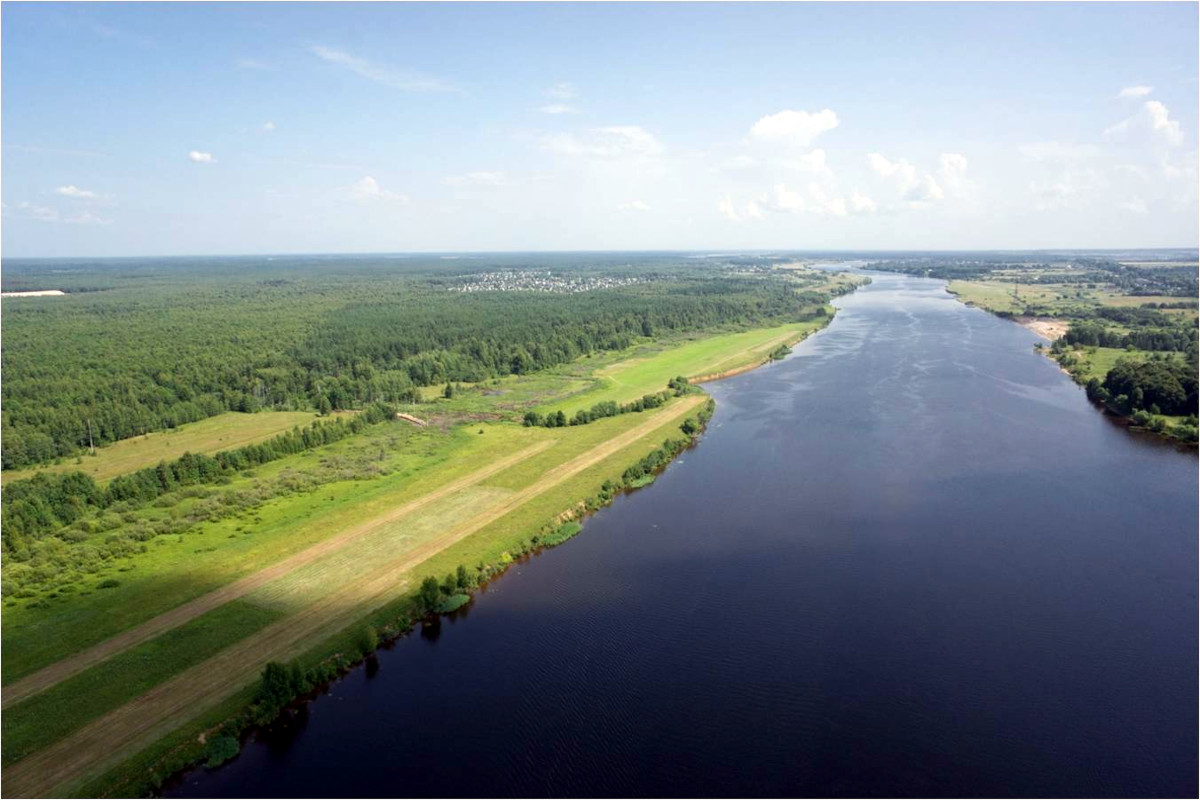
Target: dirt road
[
  {"x": 123, "y": 732},
  {"x": 61, "y": 670}
]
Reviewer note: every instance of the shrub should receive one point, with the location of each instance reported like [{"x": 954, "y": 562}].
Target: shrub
[
  {"x": 220, "y": 749},
  {"x": 108, "y": 583}
]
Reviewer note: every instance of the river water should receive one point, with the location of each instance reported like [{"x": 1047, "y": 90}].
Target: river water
[{"x": 910, "y": 560}]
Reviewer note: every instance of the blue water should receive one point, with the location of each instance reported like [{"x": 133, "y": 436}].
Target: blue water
[{"x": 910, "y": 560}]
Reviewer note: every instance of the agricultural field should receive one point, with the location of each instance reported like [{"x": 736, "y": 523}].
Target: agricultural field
[
  {"x": 222, "y": 432},
  {"x": 475, "y": 522}
]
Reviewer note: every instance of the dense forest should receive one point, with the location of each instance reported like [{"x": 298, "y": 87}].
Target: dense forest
[{"x": 141, "y": 344}]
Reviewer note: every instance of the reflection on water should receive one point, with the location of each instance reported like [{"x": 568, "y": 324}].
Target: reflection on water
[{"x": 909, "y": 560}]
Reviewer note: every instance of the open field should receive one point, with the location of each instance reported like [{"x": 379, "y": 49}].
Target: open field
[
  {"x": 136, "y": 724},
  {"x": 222, "y": 432},
  {"x": 645, "y": 374}
]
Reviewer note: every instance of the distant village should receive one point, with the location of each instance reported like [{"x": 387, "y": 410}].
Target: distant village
[{"x": 539, "y": 281}]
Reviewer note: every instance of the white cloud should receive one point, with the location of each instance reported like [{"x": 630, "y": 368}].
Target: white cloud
[
  {"x": 953, "y": 171},
  {"x": 201, "y": 157},
  {"x": 1135, "y": 91},
  {"x": 614, "y": 141},
  {"x": 1059, "y": 151},
  {"x": 396, "y": 79},
  {"x": 812, "y": 162},
  {"x": 26, "y": 210},
  {"x": 75, "y": 192},
  {"x": 558, "y": 108},
  {"x": 1162, "y": 124},
  {"x": 797, "y": 128},
  {"x": 1135, "y": 205},
  {"x": 368, "y": 189},
  {"x": 1072, "y": 189},
  {"x": 86, "y": 217},
  {"x": 927, "y": 190},
  {"x": 902, "y": 173},
  {"x": 560, "y": 91},
  {"x": 267, "y": 127},
  {"x": 751, "y": 210},
  {"x": 1154, "y": 118},
  {"x": 477, "y": 179},
  {"x": 636, "y": 205},
  {"x": 862, "y": 204}
]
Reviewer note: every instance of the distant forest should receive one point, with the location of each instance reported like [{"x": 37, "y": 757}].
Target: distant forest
[{"x": 143, "y": 344}]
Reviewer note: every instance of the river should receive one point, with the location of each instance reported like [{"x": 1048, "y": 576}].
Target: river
[{"x": 909, "y": 560}]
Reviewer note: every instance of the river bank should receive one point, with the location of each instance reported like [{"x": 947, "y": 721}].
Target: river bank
[{"x": 758, "y": 626}]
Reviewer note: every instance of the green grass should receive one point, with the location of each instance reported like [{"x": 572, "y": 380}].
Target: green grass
[
  {"x": 222, "y": 432},
  {"x": 648, "y": 372},
  {"x": 47, "y": 717}
]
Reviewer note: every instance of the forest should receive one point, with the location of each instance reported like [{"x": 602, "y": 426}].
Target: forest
[{"x": 139, "y": 345}]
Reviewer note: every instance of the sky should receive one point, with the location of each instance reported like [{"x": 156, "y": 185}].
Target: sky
[{"x": 193, "y": 129}]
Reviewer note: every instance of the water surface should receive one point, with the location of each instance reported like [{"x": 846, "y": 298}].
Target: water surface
[{"x": 910, "y": 560}]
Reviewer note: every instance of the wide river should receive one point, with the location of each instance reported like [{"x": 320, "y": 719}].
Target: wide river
[{"x": 910, "y": 560}]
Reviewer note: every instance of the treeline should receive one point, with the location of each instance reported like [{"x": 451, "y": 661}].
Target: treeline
[
  {"x": 160, "y": 349},
  {"x": 1156, "y": 386},
  {"x": 1095, "y": 334},
  {"x": 47, "y": 502},
  {"x": 677, "y": 387}
]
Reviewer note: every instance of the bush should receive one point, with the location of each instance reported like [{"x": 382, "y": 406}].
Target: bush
[
  {"x": 453, "y": 603},
  {"x": 367, "y": 641},
  {"x": 108, "y": 583},
  {"x": 220, "y": 749}
]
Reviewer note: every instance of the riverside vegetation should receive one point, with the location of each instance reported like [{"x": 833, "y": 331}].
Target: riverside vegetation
[
  {"x": 174, "y": 581},
  {"x": 1130, "y": 319}
]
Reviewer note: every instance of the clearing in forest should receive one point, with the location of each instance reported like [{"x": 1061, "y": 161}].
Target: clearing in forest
[{"x": 226, "y": 431}]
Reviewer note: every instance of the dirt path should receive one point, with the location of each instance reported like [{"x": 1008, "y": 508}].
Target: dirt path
[
  {"x": 106, "y": 741},
  {"x": 48, "y": 676}
]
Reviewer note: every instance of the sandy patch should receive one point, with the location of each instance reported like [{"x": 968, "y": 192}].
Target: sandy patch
[{"x": 1045, "y": 327}]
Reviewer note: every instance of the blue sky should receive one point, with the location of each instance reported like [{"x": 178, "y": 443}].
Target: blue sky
[{"x": 146, "y": 129}]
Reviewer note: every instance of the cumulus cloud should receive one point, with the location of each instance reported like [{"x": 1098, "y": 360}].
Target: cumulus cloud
[
  {"x": 560, "y": 91},
  {"x": 952, "y": 169},
  {"x": 793, "y": 128},
  {"x": 813, "y": 162},
  {"x": 201, "y": 157},
  {"x": 635, "y": 205},
  {"x": 740, "y": 162},
  {"x": 1162, "y": 124},
  {"x": 477, "y": 179},
  {"x": 902, "y": 172},
  {"x": 368, "y": 190},
  {"x": 267, "y": 127},
  {"x": 862, "y": 204},
  {"x": 387, "y": 76},
  {"x": 918, "y": 189},
  {"x": 750, "y": 210},
  {"x": 1135, "y": 91},
  {"x": 614, "y": 141},
  {"x": 1154, "y": 119},
  {"x": 75, "y": 192}
]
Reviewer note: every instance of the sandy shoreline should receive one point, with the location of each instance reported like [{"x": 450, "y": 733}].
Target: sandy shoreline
[{"x": 1046, "y": 327}]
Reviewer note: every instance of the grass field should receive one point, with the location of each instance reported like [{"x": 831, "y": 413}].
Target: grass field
[
  {"x": 317, "y": 605},
  {"x": 649, "y": 371},
  {"x": 222, "y": 432}
]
